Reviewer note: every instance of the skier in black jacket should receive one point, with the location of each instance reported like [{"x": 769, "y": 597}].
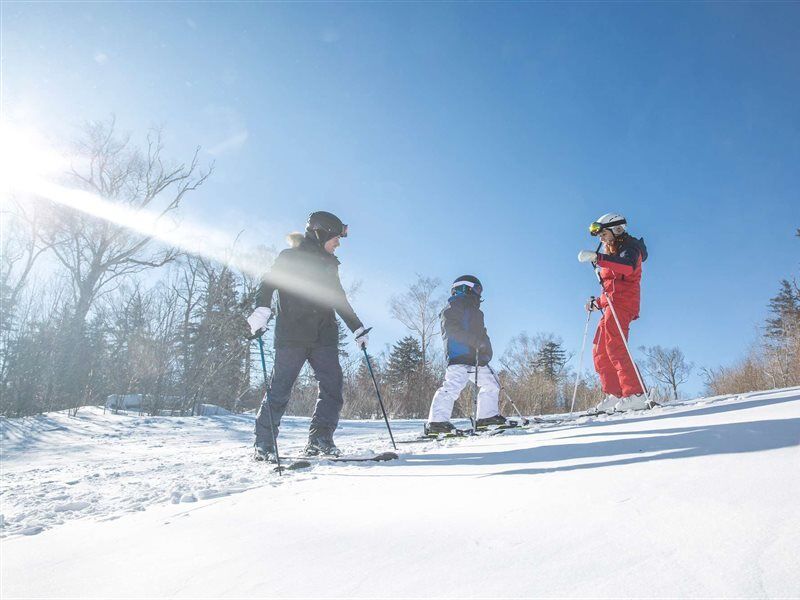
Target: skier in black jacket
[
  {"x": 306, "y": 277},
  {"x": 468, "y": 348}
]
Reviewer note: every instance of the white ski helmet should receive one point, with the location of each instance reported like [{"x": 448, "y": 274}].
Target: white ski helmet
[{"x": 613, "y": 221}]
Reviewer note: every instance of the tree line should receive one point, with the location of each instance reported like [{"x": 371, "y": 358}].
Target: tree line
[{"x": 92, "y": 307}]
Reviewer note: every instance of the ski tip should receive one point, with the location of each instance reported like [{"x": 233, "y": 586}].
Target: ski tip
[
  {"x": 299, "y": 464},
  {"x": 387, "y": 456}
]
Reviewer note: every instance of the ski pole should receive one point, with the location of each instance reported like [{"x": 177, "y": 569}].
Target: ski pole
[
  {"x": 378, "y": 393},
  {"x": 266, "y": 403},
  {"x": 505, "y": 393},
  {"x": 580, "y": 361},
  {"x": 474, "y": 421},
  {"x": 622, "y": 334}
]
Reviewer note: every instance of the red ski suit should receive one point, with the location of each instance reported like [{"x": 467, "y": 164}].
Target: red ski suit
[{"x": 620, "y": 276}]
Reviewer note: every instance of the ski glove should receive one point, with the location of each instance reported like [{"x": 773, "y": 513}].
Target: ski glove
[
  {"x": 362, "y": 337},
  {"x": 259, "y": 319},
  {"x": 591, "y": 304},
  {"x": 587, "y": 256}
]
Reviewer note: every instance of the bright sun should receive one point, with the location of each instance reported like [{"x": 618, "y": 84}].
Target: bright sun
[{"x": 26, "y": 159}]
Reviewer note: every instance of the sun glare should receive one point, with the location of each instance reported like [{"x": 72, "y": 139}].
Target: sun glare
[
  {"x": 191, "y": 238},
  {"x": 25, "y": 159},
  {"x": 29, "y": 169}
]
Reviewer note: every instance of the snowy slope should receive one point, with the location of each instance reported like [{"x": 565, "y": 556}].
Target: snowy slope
[{"x": 697, "y": 499}]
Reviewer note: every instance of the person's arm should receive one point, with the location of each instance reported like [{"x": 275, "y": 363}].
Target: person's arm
[
  {"x": 269, "y": 282},
  {"x": 343, "y": 308},
  {"x": 485, "y": 343},
  {"x": 623, "y": 263},
  {"x": 260, "y": 317}
]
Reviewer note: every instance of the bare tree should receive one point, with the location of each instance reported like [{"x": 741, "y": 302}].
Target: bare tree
[
  {"x": 95, "y": 252},
  {"x": 21, "y": 248},
  {"x": 534, "y": 372},
  {"x": 98, "y": 254},
  {"x": 418, "y": 309},
  {"x": 667, "y": 366}
]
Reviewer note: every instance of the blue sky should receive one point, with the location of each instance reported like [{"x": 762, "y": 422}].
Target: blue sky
[{"x": 465, "y": 138}]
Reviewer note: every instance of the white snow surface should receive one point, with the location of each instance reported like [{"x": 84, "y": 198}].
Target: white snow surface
[{"x": 695, "y": 499}]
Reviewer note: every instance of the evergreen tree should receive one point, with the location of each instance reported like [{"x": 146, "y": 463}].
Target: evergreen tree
[
  {"x": 785, "y": 311},
  {"x": 550, "y": 359},
  {"x": 405, "y": 361},
  {"x": 218, "y": 354},
  {"x": 405, "y": 369}
]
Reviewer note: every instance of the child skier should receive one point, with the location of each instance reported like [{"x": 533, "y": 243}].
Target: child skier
[
  {"x": 620, "y": 271},
  {"x": 466, "y": 343}
]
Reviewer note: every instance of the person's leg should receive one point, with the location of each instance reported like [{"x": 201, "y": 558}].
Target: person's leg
[
  {"x": 489, "y": 395},
  {"x": 324, "y": 361},
  {"x": 286, "y": 368},
  {"x": 603, "y": 363},
  {"x": 455, "y": 378},
  {"x": 623, "y": 366}
]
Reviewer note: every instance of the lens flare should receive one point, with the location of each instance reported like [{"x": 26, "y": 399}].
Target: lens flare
[{"x": 29, "y": 165}]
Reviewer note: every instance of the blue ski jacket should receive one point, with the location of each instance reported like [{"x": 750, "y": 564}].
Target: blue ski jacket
[{"x": 464, "y": 332}]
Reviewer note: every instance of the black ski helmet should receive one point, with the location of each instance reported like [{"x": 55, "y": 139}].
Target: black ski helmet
[
  {"x": 323, "y": 226},
  {"x": 467, "y": 283}
]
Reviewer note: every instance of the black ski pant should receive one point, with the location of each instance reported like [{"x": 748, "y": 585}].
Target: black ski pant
[{"x": 324, "y": 361}]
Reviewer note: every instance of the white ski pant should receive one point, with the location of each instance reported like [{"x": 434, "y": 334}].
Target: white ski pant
[{"x": 455, "y": 379}]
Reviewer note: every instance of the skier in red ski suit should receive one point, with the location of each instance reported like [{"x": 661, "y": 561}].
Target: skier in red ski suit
[{"x": 620, "y": 269}]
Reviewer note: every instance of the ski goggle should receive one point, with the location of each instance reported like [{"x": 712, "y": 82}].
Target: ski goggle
[
  {"x": 465, "y": 287},
  {"x": 326, "y": 234},
  {"x": 595, "y": 228}
]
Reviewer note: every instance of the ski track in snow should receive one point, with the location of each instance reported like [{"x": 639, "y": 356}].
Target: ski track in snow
[
  {"x": 56, "y": 467},
  {"x": 100, "y": 465}
]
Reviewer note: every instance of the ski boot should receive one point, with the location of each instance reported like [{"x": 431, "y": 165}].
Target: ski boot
[
  {"x": 636, "y": 402},
  {"x": 488, "y": 421},
  {"x": 264, "y": 452},
  {"x": 604, "y": 407},
  {"x": 437, "y": 427},
  {"x": 321, "y": 442}
]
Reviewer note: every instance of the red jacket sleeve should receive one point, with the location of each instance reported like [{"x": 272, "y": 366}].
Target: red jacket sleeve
[{"x": 624, "y": 263}]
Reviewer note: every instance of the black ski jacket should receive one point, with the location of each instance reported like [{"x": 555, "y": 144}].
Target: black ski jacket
[
  {"x": 464, "y": 331},
  {"x": 309, "y": 293}
]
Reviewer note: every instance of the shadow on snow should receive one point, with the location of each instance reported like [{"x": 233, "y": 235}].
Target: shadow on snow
[{"x": 651, "y": 445}]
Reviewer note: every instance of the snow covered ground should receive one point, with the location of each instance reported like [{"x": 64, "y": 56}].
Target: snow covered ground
[{"x": 698, "y": 499}]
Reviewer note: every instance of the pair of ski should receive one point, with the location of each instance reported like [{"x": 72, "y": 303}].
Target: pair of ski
[
  {"x": 296, "y": 463},
  {"x": 651, "y": 404},
  {"x": 462, "y": 433}
]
